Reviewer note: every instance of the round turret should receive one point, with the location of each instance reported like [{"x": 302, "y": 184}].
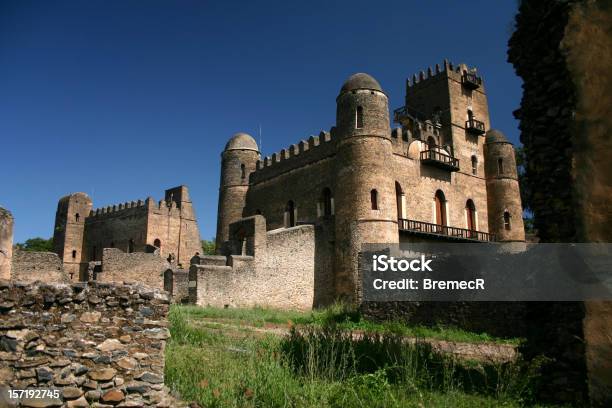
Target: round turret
[
  {"x": 238, "y": 161},
  {"x": 364, "y": 191},
  {"x": 362, "y": 108},
  {"x": 503, "y": 193}
]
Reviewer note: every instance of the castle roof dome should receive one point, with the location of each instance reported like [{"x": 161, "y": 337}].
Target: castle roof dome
[
  {"x": 360, "y": 80},
  {"x": 495, "y": 136},
  {"x": 242, "y": 141}
]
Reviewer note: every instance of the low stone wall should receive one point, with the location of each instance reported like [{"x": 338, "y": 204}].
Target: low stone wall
[
  {"x": 118, "y": 266},
  {"x": 278, "y": 271},
  {"x": 176, "y": 282},
  {"x": 30, "y": 267},
  {"x": 99, "y": 344}
]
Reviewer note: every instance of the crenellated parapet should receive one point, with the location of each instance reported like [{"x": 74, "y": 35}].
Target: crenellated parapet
[
  {"x": 444, "y": 71},
  {"x": 297, "y": 155},
  {"x": 149, "y": 204},
  {"x": 112, "y": 210}
]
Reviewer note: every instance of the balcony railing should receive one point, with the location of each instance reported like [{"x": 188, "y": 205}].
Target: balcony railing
[
  {"x": 439, "y": 159},
  {"x": 406, "y": 112},
  {"x": 471, "y": 80},
  {"x": 475, "y": 127},
  {"x": 443, "y": 231}
]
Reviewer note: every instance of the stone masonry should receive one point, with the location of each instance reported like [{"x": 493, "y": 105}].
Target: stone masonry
[
  {"x": 442, "y": 175},
  {"x": 98, "y": 344},
  {"x": 6, "y": 243},
  {"x": 167, "y": 227}
]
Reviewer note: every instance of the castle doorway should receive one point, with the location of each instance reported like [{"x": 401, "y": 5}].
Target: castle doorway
[
  {"x": 470, "y": 212},
  {"x": 440, "y": 209},
  {"x": 290, "y": 214},
  {"x": 400, "y": 198}
]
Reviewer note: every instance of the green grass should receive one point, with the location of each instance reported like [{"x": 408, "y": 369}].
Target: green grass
[
  {"x": 323, "y": 366},
  {"x": 344, "y": 317}
]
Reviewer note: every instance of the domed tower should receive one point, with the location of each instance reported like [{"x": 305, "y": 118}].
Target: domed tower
[
  {"x": 238, "y": 161},
  {"x": 364, "y": 192},
  {"x": 503, "y": 194},
  {"x": 69, "y": 233}
]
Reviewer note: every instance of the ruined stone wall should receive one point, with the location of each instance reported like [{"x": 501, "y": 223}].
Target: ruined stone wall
[
  {"x": 6, "y": 243},
  {"x": 176, "y": 282},
  {"x": 279, "y": 275},
  {"x": 562, "y": 50},
  {"x": 98, "y": 344},
  {"x": 136, "y": 267},
  {"x": 38, "y": 266}
]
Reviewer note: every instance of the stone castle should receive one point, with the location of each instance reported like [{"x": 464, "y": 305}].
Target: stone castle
[
  {"x": 443, "y": 174},
  {"x": 167, "y": 227}
]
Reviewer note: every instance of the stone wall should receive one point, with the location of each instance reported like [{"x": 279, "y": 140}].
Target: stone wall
[
  {"x": 38, "y": 266},
  {"x": 562, "y": 50},
  {"x": 99, "y": 344},
  {"x": 136, "y": 267},
  {"x": 6, "y": 243},
  {"x": 272, "y": 269},
  {"x": 176, "y": 282}
]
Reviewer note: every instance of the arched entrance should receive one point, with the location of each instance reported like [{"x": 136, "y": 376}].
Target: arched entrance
[
  {"x": 470, "y": 212},
  {"x": 440, "y": 206}
]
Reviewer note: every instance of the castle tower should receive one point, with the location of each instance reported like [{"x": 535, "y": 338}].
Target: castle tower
[
  {"x": 455, "y": 95},
  {"x": 364, "y": 191},
  {"x": 6, "y": 243},
  {"x": 503, "y": 194},
  {"x": 188, "y": 241},
  {"x": 68, "y": 235},
  {"x": 238, "y": 161}
]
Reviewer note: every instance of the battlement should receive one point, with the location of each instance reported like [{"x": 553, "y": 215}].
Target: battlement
[
  {"x": 447, "y": 70},
  {"x": 296, "y": 155},
  {"x": 119, "y": 209}
]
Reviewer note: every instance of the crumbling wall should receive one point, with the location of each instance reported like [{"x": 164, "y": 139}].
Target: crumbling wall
[
  {"x": 99, "y": 344},
  {"x": 176, "y": 282},
  {"x": 37, "y": 266},
  {"x": 563, "y": 50},
  {"x": 277, "y": 269},
  {"x": 136, "y": 267},
  {"x": 6, "y": 243}
]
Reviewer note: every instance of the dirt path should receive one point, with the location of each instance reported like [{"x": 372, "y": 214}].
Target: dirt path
[{"x": 484, "y": 352}]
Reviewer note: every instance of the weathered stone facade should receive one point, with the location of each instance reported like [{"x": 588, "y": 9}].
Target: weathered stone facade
[
  {"x": 43, "y": 267},
  {"x": 167, "y": 227},
  {"x": 137, "y": 267},
  {"x": 562, "y": 50},
  {"x": 6, "y": 243},
  {"x": 277, "y": 268},
  {"x": 98, "y": 344},
  {"x": 361, "y": 182}
]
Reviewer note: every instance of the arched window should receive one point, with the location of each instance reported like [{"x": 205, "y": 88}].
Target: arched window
[
  {"x": 470, "y": 213},
  {"x": 401, "y": 201},
  {"x": 500, "y": 166},
  {"x": 327, "y": 202},
  {"x": 359, "y": 117},
  {"x": 374, "y": 199},
  {"x": 73, "y": 254},
  {"x": 474, "y": 165},
  {"x": 290, "y": 214},
  {"x": 157, "y": 243},
  {"x": 130, "y": 246},
  {"x": 77, "y": 217},
  {"x": 440, "y": 209},
  {"x": 507, "y": 225},
  {"x": 242, "y": 171},
  {"x": 470, "y": 114}
]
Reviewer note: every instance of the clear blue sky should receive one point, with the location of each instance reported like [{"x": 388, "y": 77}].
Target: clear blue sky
[{"x": 122, "y": 99}]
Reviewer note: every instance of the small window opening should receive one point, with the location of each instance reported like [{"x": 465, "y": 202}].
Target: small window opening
[
  {"x": 290, "y": 214},
  {"x": 131, "y": 246},
  {"x": 243, "y": 171},
  {"x": 77, "y": 217},
  {"x": 359, "y": 118},
  {"x": 507, "y": 225},
  {"x": 73, "y": 254},
  {"x": 474, "y": 165},
  {"x": 327, "y": 202},
  {"x": 500, "y": 166},
  {"x": 374, "y": 199},
  {"x": 431, "y": 142}
]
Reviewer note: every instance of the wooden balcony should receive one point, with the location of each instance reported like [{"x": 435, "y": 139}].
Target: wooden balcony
[
  {"x": 475, "y": 127},
  {"x": 471, "y": 81},
  {"x": 443, "y": 232},
  {"x": 436, "y": 157}
]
